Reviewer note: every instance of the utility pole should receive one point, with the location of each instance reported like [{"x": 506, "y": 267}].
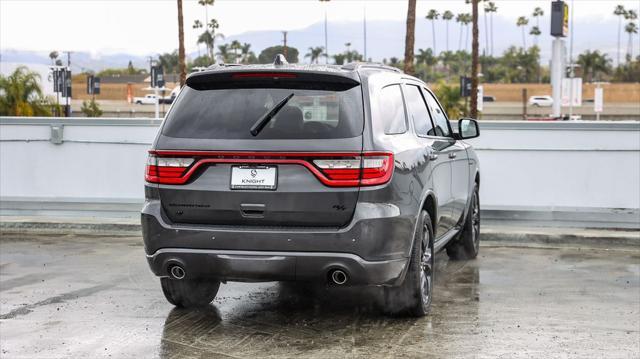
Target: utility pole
[
  {"x": 67, "y": 106},
  {"x": 364, "y": 10},
  {"x": 284, "y": 34},
  {"x": 559, "y": 29},
  {"x": 474, "y": 59}
]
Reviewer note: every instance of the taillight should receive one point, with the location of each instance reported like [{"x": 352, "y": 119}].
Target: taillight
[
  {"x": 370, "y": 169},
  {"x": 332, "y": 169},
  {"x": 167, "y": 170}
]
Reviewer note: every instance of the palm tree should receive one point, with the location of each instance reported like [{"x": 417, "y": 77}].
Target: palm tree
[
  {"x": 315, "y": 53},
  {"x": 593, "y": 63},
  {"x": 197, "y": 25},
  {"x": 474, "y": 60},
  {"x": 447, "y": 16},
  {"x": 620, "y": 12},
  {"x": 206, "y": 4},
  {"x": 225, "y": 53},
  {"x": 410, "y": 37},
  {"x": 53, "y": 55},
  {"x": 447, "y": 57},
  {"x": 21, "y": 94},
  {"x": 630, "y": 29},
  {"x": 535, "y": 32},
  {"x": 523, "y": 22},
  {"x": 460, "y": 20},
  {"x": 339, "y": 59},
  {"x": 491, "y": 8},
  {"x": 246, "y": 54},
  {"x": 468, "y": 19},
  {"x": 433, "y": 15},
  {"x": 181, "y": 56},
  {"x": 537, "y": 13},
  {"x": 486, "y": 30},
  {"x": 235, "y": 46}
]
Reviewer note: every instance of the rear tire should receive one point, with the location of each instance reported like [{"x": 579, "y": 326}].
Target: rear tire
[
  {"x": 467, "y": 245},
  {"x": 413, "y": 297},
  {"x": 189, "y": 293}
]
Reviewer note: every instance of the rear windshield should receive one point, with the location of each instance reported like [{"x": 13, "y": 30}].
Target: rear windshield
[{"x": 230, "y": 113}]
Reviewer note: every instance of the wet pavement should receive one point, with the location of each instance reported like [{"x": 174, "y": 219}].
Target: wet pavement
[{"x": 93, "y": 296}]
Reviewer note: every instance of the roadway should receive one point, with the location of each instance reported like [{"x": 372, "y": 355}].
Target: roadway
[{"x": 91, "y": 296}]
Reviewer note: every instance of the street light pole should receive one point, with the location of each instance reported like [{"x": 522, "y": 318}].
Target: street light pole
[{"x": 326, "y": 42}]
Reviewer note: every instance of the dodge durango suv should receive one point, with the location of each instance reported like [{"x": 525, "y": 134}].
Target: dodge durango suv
[{"x": 339, "y": 175}]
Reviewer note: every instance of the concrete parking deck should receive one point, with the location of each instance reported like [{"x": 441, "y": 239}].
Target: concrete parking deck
[{"x": 83, "y": 296}]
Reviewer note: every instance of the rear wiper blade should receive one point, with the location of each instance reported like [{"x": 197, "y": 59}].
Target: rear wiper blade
[{"x": 259, "y": 125}]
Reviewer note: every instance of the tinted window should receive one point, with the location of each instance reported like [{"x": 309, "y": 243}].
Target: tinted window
[
  {"x": 418, "y": 112},
  {"x": 437, "y": 114},
  {"x": 230, "y": 113},
  {"x": 392, "y": 110}
]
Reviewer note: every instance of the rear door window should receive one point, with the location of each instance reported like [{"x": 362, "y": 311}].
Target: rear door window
[
  {"x": 392, "y": 113},
  {"x": 230, "y": 113},
  {"x": 417, "y": 109}
]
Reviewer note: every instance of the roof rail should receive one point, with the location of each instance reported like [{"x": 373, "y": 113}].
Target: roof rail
[{"x": 352, "y": 66}]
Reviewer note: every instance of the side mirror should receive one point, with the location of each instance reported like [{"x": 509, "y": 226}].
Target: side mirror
[{"x": 468, "y": 128}]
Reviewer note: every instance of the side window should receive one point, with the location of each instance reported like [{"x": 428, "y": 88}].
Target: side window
[
  {"x": 437, "y": 114},
  {"x": 418, "y": 112},
  {"x": 392, "y": 110}
]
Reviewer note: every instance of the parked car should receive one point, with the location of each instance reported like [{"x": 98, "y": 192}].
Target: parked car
[
  {"x": 488, "y": 99},
  {"x": 148, "y": 99},
  {"x": 172, "y": 96},
  {"x": 309, "y": 173},
  {"x": 541, "y": 101}
]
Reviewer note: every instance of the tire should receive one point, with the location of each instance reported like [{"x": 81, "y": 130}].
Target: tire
[
  {"x": 189, "y": 293},
  {"x": 414, "y": 296},
  {"x": 467, "y": 245}
]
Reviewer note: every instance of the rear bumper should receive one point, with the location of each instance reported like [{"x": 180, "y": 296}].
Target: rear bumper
[
  {"x": 373, "y": 249},
  {"x": 269, "y": 266}
]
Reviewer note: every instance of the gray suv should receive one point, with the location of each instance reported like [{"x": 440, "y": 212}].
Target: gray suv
[{"x": 340, "y": 175}]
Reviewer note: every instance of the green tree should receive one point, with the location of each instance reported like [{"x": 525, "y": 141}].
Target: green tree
[
  {"x": 450, "y": 99},
  {"x": 267, "y": 55},
  {"x": 522, "y": 23},
  {"x": 200, "y": 61},
  {"x": 628, "y": 72},
  {"x": 246, "y": 55},
  {"x": 620, "y": 12},
  {"x": 433, "y": 15},
  {"x": 169, "y": 61},
  {"x": 21, "y": 94},
  {"x": 315, "y": 53},
  {"x": 339, "y": 59},
  {"x": 90, "y": 108},
  {"x": 593, "y": 63}
]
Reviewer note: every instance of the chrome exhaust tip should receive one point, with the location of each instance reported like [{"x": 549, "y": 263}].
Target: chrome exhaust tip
[
  {"x": 176, "y": 272},
  {"x": 339, "y": 277}
]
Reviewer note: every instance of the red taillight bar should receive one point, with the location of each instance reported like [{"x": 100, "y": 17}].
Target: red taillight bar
[
  {"x": 244, "y": 75},
  {"x": 332, "y": 177}
]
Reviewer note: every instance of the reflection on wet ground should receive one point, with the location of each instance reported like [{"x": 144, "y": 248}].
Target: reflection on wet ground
[{"x": 95, "y": 297}]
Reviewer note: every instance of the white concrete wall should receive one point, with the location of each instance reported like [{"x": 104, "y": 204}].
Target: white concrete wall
[{"x": 525, "y": 165}]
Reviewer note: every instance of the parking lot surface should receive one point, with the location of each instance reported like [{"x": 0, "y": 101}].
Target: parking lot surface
[{"x": 81, "y": 296}]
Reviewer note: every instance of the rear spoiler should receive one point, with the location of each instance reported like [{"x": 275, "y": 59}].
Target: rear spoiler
[{"x": 271, "y": 78}]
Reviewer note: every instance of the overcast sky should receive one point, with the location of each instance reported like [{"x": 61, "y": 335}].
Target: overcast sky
[{"x": 144, "y": 26}]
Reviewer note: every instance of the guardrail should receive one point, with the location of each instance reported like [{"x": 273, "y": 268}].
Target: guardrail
[{"x": 579, "y": 173}]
